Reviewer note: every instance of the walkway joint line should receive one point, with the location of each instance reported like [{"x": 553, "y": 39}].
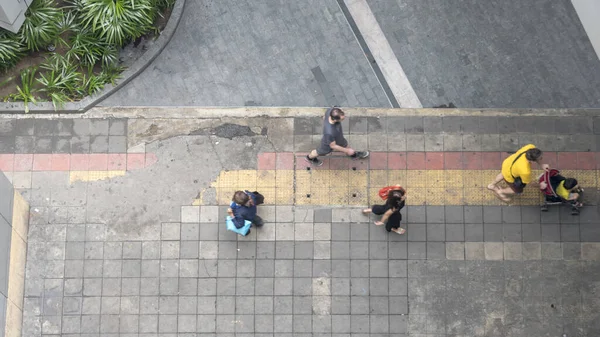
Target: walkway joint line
[{"x": 384, "y": 62}]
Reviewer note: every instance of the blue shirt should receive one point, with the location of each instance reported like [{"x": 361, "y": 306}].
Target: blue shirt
[{"x": 241, "y": 212}]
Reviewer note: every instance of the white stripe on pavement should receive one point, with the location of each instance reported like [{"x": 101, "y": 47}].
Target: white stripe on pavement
[
  {"x": 383, "y": 54},
  {"x": 589, "y": 15}
]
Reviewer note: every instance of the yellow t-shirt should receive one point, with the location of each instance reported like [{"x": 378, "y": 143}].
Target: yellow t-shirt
[
  {"x": 562, "y": 191},
  {"x": 521, "y": 168}
]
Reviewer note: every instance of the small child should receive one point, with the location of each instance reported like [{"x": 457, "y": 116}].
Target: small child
[
  {"x": 567, "y": 189},
  {"x": 243, "y": 208},
  {"x": 390, "y": 211}
]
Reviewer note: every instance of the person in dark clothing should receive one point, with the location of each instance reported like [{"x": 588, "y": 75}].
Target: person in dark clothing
[
  {"x": 243, "y": 207},
  {"x": 333, "y": 139},
  {"x": 391, "y": 211}
]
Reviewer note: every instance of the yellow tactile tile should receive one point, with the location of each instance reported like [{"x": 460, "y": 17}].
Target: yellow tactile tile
[
  {"x": 321, "y": 178},
  {"x": 435, "y": 177},
  {"x": 283, "y": 196},
  {"x": 453, "y": 178},
  {"x": 473, "y": 196},
  {"x": 284, "y": 179},
  {"x": 265, "y": 179},
  {"x": 358, "y": 178},
  {"x": 378, "y": 178},
  {"x": 78, "y": 176},
  {"x": 435, "y": 196},
  {"x": 245, "y": 178},
  {"x": 228, "y": 178},
  {"x": 337, "y": 187},
  {"x": 416, "y": 196},
  {"x": 453, "y": 196},
  {"x": 396, "y": 177},
  {"x": 416, "y": 178},
  {"x": 339, "y": 195},
  {"x": 584, "y": 178},
  {"x": 94, "y": 175},
  {"x": 357, "y": 196}
]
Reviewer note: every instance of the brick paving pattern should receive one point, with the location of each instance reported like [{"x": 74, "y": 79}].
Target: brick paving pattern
[{"x": 127, "y": 253}]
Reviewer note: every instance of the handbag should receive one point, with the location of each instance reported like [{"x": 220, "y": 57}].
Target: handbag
[
  {"x": 260, "y": 199},
  {"x": 518, "y": 181},
  {"x": 241, "y": 231},
  {"x": 383, "y": 193}
]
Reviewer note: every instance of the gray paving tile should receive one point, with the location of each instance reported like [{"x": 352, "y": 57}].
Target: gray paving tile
[
  {"x": 417, "y": 250},
  {"x": 551, "y": 233},
  {"x": 117, "y": 127},
  {"x": 99, "y": 144},
  {"x": 24, "y": 144},
  {"x": 474, "y": 232},
  {"x": 98, "y": 127},
  {"x": 512, "y": 232},
  {"x": 416, "y": 231},
  {"x": 43, "y": 144},
  {"x": 116, "y": 144},
  {"x": 455, "y": 232},
  {"x": 436, "y": 232}
]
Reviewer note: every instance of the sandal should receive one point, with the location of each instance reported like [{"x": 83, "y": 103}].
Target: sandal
[
  {"x": 379, "y": 223},
  {"x": 400, "y": 231}
]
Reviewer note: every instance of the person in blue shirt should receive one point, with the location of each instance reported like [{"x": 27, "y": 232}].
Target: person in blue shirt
[{"x": 243, "y": 207}]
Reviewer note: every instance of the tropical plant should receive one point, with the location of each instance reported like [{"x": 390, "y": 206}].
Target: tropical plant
[
  {"x": 85, "y": 47},
  {"x": 163, "y": 4},
  {"x": 111, "y": 74},
  {"x": 118, "y": 21},
  {"x": 90, "y": 83},
  {"x": 11, "y": 49},
  {"x": 25, "y": 92},
  {"x": 41, "y": 24},
  {"x": 61, "y": 76},
  {"x": 67, "y": 22}
]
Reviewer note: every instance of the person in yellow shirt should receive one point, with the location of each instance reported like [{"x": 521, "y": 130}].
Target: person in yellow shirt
[
  {"x": 516, "y": 172},
  {"x": 568, "y": 190}
]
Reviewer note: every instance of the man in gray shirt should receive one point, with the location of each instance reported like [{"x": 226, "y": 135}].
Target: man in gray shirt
[{"x": 333, "y": 139}]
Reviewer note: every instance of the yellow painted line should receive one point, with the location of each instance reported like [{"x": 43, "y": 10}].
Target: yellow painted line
[
  {"x": 93, "y": 175},
  {"x": 361, "y": 187}
]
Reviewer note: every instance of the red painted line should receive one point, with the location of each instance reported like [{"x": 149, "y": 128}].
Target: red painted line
[
  {"x": 75, "y": 161},
  {"x": 471, "y": 160}
]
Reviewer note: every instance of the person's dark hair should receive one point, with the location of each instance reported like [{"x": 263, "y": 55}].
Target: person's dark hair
[
  {"x": 570, "y": 183},
  {"x": 396, "y": 193},
  {"x": 240, "y": 197},
  {"x": 395, "y": 198},
  {"x": 336, "y": 114},
  {"x": 533, "y": 154}
]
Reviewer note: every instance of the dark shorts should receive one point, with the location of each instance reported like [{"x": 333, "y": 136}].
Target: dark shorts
[
  {"x": 517, "y": 190},
  {"x": 323, "y": 150}
]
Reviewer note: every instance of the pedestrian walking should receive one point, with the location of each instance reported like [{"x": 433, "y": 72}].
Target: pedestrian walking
[
  {"x": 391, "y": 218},
  {"x": 243, "y": 209},
  {"x": 516, "y": 172},
  {"x": 333, "y": 139}
]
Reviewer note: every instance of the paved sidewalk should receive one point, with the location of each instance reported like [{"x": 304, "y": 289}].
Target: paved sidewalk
[
  {"x": 500, "y": 54},
  {"x": 127, "y": 235}
]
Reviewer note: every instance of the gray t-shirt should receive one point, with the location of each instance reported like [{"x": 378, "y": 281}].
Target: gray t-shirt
[{"x": 331, "y": 132}]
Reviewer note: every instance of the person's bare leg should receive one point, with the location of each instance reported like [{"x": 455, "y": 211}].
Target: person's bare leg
[
  {"x": 313, "y": 154},
  {"x": 367, "y": 211},
  {"x": 504, "y": 194},
  {"x": 493, "y": 186}
]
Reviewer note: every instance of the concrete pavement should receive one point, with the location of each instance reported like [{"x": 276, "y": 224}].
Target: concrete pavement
[
  {"x": 127, "y": 235},
  {"x": 493, "y": 54}
]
